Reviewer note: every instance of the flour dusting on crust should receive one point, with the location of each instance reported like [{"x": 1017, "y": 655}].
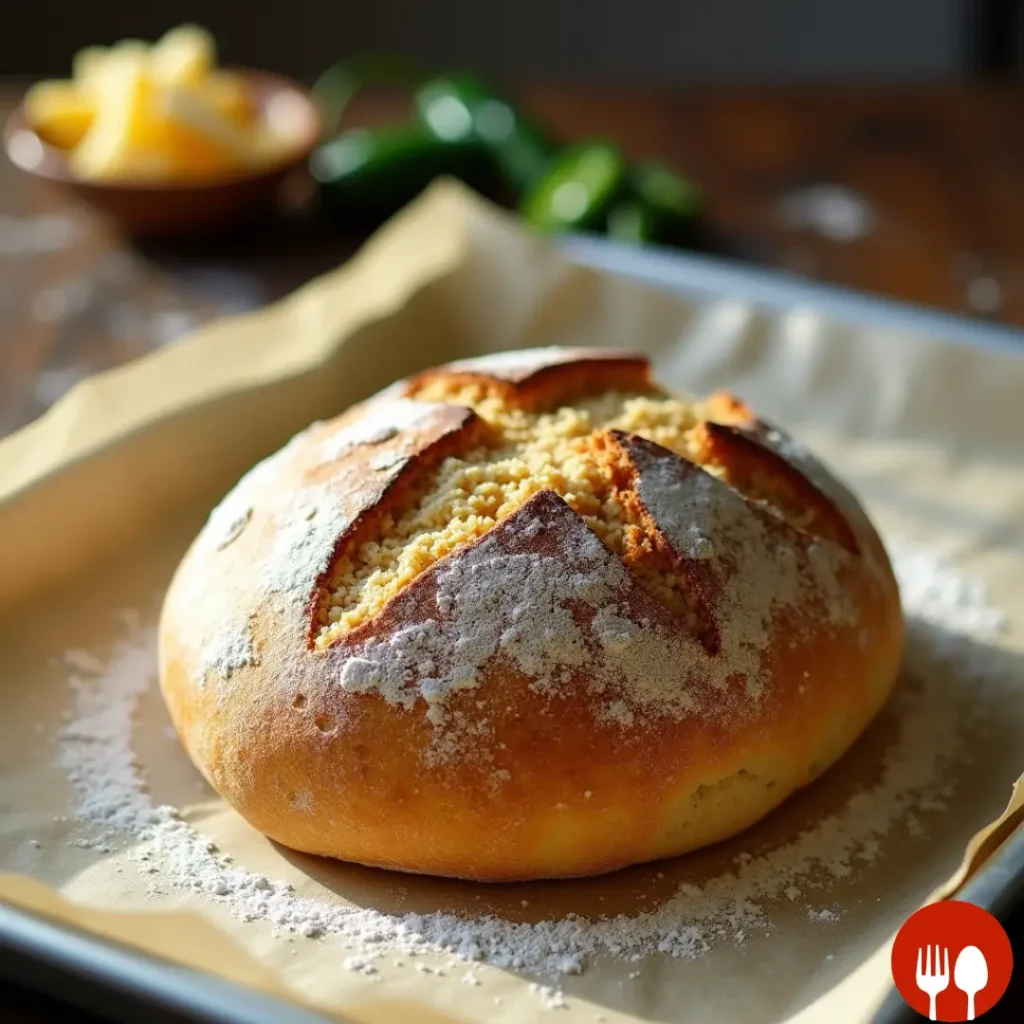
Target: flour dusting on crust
[
  {"x": 380, "y": 421},
  {"x": 496, "y": 600},
  {"x": 307, "y": 530},
  {"x": 233, "y": 514},
  {"x": 228, "y": 650},
  {"x": 762, "y": 567},
  {"x": 551, "y": 613},
  {"x": 292, "y": 516}
]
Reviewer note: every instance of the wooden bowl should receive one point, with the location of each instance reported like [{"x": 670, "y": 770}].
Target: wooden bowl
[{"x": 180, "y": 208}]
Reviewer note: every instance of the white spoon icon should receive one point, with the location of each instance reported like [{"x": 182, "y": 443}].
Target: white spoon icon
[{"x": 970, "y": 975}]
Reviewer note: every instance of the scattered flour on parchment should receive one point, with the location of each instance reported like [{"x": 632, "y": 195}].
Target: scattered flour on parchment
[{"x": 947, "y": 616}]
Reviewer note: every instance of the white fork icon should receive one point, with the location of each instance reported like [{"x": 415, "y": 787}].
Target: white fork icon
[{"x": 932, "y": 979}]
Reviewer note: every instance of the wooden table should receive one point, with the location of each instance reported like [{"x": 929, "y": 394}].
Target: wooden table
[{"x": 915, "y": 193}]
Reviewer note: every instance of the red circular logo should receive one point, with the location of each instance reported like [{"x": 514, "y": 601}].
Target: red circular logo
[{"x": 952, "y": 961}]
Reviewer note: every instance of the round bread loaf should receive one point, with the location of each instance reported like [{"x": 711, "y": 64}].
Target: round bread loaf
[{"x": 527, "y": 616}]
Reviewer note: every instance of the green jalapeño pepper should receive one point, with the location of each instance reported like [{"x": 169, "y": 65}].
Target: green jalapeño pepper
[
  {"x": 366, "y": 175},
  {"x": 462, "y": 107},
  {"x": 659, "y": 206},
  {"x": 578, "y": 190}
]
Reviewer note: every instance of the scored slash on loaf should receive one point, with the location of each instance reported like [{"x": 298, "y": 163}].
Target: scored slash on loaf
[{"x": 527, "y": 616}]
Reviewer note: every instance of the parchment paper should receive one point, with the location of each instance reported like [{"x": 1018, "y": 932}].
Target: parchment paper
[{"x": 99, "y": 498}]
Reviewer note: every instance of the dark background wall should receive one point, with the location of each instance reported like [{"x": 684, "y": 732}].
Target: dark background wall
[{"x": 628, "y": 41}]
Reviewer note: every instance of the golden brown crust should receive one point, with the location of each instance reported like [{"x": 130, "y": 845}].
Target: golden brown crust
[
  {"x": 525, "y": 707},
  {"x": 747, "y": 459},
  {"x": 535, "y": 376}
]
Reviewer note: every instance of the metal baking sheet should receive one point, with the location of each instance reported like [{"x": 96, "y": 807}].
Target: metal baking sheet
[{"x": 125, "y": 985}]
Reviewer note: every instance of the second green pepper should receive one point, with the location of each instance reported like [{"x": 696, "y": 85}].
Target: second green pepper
[
  {"x": 462, "y": 107},
  {"x": 578, "y": 190},
  {"x": 659, "y": 206},
  {"x": 366, "y": 175}
]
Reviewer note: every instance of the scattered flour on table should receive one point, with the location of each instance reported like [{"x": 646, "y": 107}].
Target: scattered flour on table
[
  {"x": 947, "y": 616},
  {"x": 821, "y": 915},
  {"x": 25, "y": 237}
]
